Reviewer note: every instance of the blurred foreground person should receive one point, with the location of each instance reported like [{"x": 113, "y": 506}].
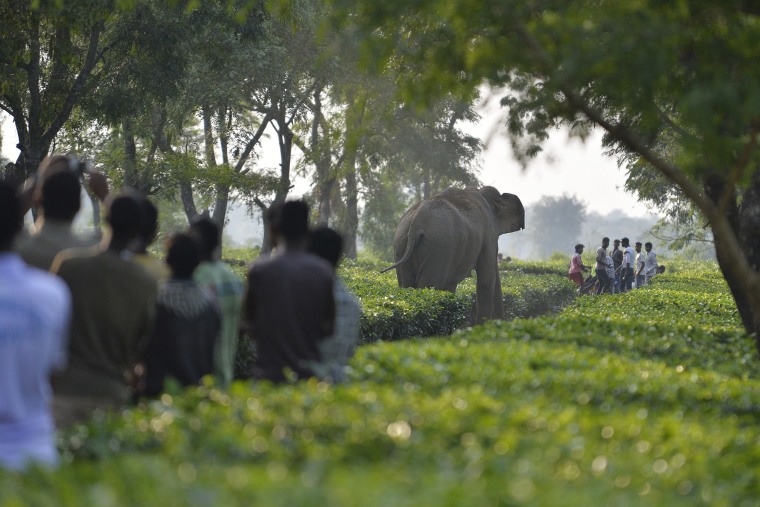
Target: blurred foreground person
[
  {"x": 146, "y": 236},
  {"x": 56, "y": 195},
  {"x": 337, "y": 349},
  {"x": 35, "y": 309},
  {"x": 289, "y": 305},
  {"x": 187, "y": 323},
  {"x": 227, "y": 287},
  {"x": 113, "y": 315}
]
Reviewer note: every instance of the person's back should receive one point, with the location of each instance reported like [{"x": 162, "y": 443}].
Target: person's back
[
  {"x": 336, "y": 349},
  {"x": 227, "y": 288},
  {"x": 187, "y": 323},
  {"x": 113, "y": 315},
  {"x": 34, "y": 316},
  {"x": 59, "y": 201},
  {"x": 289, "y": 306}
]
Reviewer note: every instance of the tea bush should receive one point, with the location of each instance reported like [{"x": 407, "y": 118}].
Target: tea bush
[{"x": 645, "y": 398}]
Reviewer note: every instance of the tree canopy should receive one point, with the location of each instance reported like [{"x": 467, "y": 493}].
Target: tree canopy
[{"x": 673, "y": 84}]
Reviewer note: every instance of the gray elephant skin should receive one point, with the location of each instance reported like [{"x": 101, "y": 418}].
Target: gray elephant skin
[{"x": 439, "y": 241}]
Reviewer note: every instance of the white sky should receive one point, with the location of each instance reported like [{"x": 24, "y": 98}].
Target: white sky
[{"x": 566, "y": 166}]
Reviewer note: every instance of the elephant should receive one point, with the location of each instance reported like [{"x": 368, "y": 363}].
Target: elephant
[{"x": 441, "y": 239}]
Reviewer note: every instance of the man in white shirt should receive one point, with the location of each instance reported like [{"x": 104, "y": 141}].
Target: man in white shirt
[
  {"x": 650, "y": 265},
  {"x": 626, "y": 269},
  {"x": 35, "y": 309},
  {"x": 640, "y": 261}
]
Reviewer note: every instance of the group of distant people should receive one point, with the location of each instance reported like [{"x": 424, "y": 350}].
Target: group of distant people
[
  {"x": 93, "y": 323},
  {"x": 619, "y": 270}
]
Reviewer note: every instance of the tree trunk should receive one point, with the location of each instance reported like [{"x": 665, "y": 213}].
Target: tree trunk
[
  {"x": 745, "y": 224},
  {"x": 285, "y": 141},
  {"x": 351, "y": 226},
  {"x": 131, "y": 176}
]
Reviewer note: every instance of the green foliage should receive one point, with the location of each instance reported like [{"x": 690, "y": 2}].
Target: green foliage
[{"x": 619, "y": 400}]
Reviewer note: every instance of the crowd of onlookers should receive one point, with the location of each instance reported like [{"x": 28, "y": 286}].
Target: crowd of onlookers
[
  {"x": 93, "y": 323},
  {"x": 617, "y": 271}
]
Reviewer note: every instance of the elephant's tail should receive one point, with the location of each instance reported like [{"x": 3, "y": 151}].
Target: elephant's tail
[{"x": 411, "y": 243}]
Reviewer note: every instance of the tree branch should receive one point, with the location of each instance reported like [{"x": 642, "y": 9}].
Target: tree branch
[{"x": 76, "y": 88}]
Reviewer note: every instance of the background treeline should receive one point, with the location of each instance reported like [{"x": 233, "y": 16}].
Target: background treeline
[{"x": 177, "y": 100}]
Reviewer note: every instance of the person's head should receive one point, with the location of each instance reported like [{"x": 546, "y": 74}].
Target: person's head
[
  {"x": 648, "y": 246},
  {"x": 11, "y": 218},
  {"x": 148, "y": 230},
  {"x": 578, "y": 248},
  {"x": 326, "y": 243},
  {"x": 60, "y": 195},
  {"x": 123, "y": 215},
  {"x": 616, "y": 244},
  {"x": 605, "y": 242},
  {"x": 291, "y": 221},
  {"x": 207, "y": 234},
  {"x": 182, "y": 255},
  {"x": 638, "y": 246},
  {"x": 625, "y": 242},
  {"x": 661, "y": 268}
]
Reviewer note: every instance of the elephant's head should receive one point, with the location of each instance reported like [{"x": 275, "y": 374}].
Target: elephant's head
[{"x": 507, "y": 209}]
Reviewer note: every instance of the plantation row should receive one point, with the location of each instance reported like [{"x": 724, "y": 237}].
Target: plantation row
[{"x": 645, "y": 398}]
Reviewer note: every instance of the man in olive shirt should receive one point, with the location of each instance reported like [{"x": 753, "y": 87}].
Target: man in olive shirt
[
  {"x": 113, "y": 315},
  {"x": 289, "y": 303}
]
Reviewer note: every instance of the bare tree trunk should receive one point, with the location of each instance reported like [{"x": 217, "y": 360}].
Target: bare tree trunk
[
  {"x": 351, "y": 225},
  {"x": 131, "y": 177}
]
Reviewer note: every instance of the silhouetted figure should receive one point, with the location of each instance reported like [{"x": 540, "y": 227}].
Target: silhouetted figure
[
  {"x": 289, "y": 302},
  {"x": 35, "y": 308},
  {"x": 113, "y": 317},
  {"x": 227, "y": 287},
  {"x": 338, "y": 348},
  {"x": 187, "y": 323},
  {"x": 58, "y": 204}
]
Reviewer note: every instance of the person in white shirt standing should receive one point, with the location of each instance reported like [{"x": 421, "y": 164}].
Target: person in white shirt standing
[
  {"x": 626, "y": 269},
  {"x": 650, "y": 265},
  {"x": 35, "y": 310},
  {"x": 640, "y": 261}
]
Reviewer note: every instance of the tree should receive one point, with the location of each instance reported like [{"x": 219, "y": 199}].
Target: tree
[
  {"x": 673, "y": 84},
  {"x": 51, "y": 54},
  {"x": 555, "y": 224}
]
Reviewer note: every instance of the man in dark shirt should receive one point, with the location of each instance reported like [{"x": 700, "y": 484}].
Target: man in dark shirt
[
  {"x": 289, "y": 302},
  {"x": 617, "y": 259}
]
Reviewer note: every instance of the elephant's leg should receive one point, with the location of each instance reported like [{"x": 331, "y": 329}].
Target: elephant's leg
[{"x": 488, "y": 286}]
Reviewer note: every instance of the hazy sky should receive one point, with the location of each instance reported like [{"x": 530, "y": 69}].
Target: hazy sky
[{"x": 567, "y": 166}]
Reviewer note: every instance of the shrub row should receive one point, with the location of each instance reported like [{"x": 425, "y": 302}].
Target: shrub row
[{"x": 604, "y": 404}]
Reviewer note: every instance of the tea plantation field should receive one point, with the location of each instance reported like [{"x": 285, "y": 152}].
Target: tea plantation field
[{"x": 647, "y": 398}]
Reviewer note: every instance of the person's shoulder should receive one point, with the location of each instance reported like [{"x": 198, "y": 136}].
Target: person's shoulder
[
  {"x": 74, "y": 258},
  {"x": 52, "y": 289}
]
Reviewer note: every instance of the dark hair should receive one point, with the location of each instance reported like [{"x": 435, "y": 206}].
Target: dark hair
[
  {"x": 292, "y": 220},
  {"x": 11, "y": 219},
  {"x": 124, "y": 216},
  {"x": 625, "y": 241},
  {"x": 605, "y": 239},
  {"x": 579, "y": 246},
  {"x": 148, "y": 220},
  {"x": 61, "y": 195},
  {"x": 207, "y": 233},
  {"x": 183, "y": 255},
  {"x": 648, "y": 244},
  {"x": 638, "y": 243},
  {"x": 616, "y": 241},
  {"x": 327, "y": 244}
]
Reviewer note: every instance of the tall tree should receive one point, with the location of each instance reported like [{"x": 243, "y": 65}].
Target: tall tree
[
  {"x": 51, "y": 54},
  {"x": 673, "y": 84}
]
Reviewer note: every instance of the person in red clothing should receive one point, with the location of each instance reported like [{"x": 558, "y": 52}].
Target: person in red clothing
[{"x": 575, "y": 273}]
